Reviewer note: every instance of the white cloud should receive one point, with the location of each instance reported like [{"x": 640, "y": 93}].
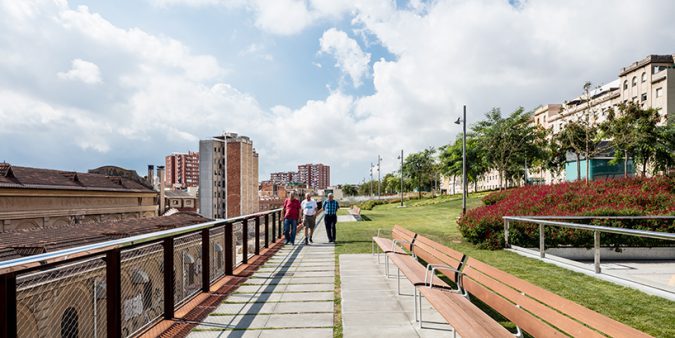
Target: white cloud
[
  {"x": 159, "y": 95},
  {"x": 84, "y": 71},
  {"x": 348, "y": 54}
]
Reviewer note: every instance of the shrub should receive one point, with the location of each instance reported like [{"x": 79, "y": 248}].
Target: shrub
[
  {"x": 370, "y": 204},
  {"x": 612, "y": 197}
]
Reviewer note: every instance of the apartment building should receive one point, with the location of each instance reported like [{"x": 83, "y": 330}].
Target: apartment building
[
  {"x": 182, "y": 170},
  {"x": 228, "y": 176},
  {"x": 647, "y": 82},
  {"x": 315, "y": 176}
]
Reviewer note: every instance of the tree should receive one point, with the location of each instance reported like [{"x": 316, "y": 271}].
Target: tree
[
  {"x": 350, "y": 190},
  {"x": 451, "y": 160},
  {"x": 419, "y": 167},
  {"x": 572, "y": 138},
  {"x": 391, "y": 183},
  {"x": 637, "y": 132},
  {"x": 508, "y": 144}
]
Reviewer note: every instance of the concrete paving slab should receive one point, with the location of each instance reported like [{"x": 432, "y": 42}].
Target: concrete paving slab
[
  {"x": 300, "y": 320},
  {"x": 304, "y": 307},
  {"x": 310, "y": 287},
  {"x": 238, "y": 321},
  {"x": 243, "y": 308},
  {"x": 295, "y": 333},
  {"x": 305, "y": 296},
  {"x": 372, "y": 307},
  {"x": 210, "y": 332}
]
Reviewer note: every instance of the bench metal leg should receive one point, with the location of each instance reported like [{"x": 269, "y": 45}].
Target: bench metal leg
[
  {"x": 415, "y": 303},
  {"x": 386, "y": 265},
  {"x": 518, "y": 333},
  {"x": 419, "y": 306},
  {"x": 398, "y": 281}
]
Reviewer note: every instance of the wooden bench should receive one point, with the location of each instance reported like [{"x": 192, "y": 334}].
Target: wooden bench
[
  {"x": 537, "y": 311},
  {"x": 399, "y": 235}
]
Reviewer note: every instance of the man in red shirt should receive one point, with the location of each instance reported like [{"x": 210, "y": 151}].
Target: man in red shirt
[{"x": 291, "y": 214}]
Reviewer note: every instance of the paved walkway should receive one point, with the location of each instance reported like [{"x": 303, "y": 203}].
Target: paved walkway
[
  {"x": 371, "y": 306},
  {"x": 292, "y": 295}
]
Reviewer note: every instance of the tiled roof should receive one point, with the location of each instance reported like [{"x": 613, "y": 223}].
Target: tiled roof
[
  {"x": 26, "y": 177},
  {"x": 178, "y": 194},
  {"x": 21, "y": 243}
]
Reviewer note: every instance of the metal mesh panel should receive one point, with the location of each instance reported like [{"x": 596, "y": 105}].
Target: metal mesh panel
[
  {"x": 251, "y": 238},
  {"x": 238, "y": 238},
  {"x": 217, "y": 247},
  {"x": 261, "y": 240},
  {"x": 142, "y": 287},
  {"x": 187, "y": 266},
  {"x": 64, "y": 301}
]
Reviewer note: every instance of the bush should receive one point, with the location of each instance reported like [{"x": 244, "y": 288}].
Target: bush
[
  {"x": 370, "y": 204},
  {"x": 613, "y": 197}
]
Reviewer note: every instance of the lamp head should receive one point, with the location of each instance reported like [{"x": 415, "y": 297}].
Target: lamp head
[{"x": 459, "y": 120}]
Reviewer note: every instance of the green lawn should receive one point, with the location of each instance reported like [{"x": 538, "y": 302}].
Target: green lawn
[{"x": 436, "y": 219}]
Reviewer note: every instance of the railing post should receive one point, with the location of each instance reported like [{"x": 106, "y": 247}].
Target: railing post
[
  {"x": 169, "y": 283},
  {"x": 280, "y": 220},
  {"x": 113, "y": 293},
  {"x": 244, "y": 241},
  {"x": 257, "y": 236},
  {"x": 506, "y": 234},
  {"x": 206, "y": 260},
  {"x": 542, "y": 247},
  {"x": 229, "y": 249},
  {"x": 596, "y": 245},
  {"x": 274, "y": 225},
  {"x": 267, "y": 230},
  {"x": 8, "y": 305}
]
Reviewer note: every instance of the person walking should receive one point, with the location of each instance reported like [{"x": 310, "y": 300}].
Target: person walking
[
  {"x": 291, "y": 214},
  {"x": 330, "y": 208},
  {"x": 308, "y": 207}
]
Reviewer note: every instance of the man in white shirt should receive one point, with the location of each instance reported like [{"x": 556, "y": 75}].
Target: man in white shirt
[{"x": 308, "y": 207}]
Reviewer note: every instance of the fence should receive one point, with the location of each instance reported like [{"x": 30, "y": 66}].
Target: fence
[
  {"x": 597, "y": 229},
  {"x": 120, "y": 288}
]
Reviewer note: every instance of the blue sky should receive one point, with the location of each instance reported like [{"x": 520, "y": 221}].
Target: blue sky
[{"x": 90, "y": 83}]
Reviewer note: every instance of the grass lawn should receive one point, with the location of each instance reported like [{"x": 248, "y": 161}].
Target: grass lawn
[{"x": 435, "y": 218}]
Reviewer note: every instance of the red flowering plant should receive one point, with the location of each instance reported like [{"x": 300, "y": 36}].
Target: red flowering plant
[{"x": 610, "y": 197}]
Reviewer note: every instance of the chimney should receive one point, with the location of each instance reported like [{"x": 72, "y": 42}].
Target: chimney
[
  {"x": 151, "y": 175},
  {"x": 160, "y": 173}
]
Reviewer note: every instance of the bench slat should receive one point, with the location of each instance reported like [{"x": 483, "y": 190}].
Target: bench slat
[
  {"x": 467, "y": 319},
  {"x": 520, "y": 317},
  {"x": 540, "y": 310},
  {"x": 589, "y": 317},
  {"x": 413, "y": 270}
]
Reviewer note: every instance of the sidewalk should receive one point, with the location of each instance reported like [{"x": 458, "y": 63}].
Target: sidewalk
[
  {"x": 371, "y": 306},
  {"x": 291, "y": 295}
]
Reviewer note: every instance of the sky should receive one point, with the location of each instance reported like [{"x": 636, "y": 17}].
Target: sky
[{"x": 127, "y": 82}]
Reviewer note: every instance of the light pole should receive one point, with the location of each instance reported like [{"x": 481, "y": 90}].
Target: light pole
[
  {"x": 379, "y": 181},
  {"x": 464, "y": 192},
  {"x": 401, "y": 158},
  {"x": 371, "y": 179}
]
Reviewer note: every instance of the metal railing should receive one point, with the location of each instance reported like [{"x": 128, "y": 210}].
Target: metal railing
[
  {"x": 597, "y": 229},
  {"x": 120, "y": 288}
]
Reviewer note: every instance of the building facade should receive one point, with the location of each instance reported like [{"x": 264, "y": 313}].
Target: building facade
[
  {"x": 649, "y": 82},
  {"x": 33, "y": 198},
  {"x": 182, "y": 170},
  {"x": 314, "y": 176},
  {"x": 228, "y": 176}
]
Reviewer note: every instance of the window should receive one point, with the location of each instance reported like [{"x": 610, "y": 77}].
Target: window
[
  {"x": 218, "y": 250},
  {"x": 634, "y": 99},
  {"x": 69, "y": 324},
  {"x": 659, "y": 92},
  {"x": 625, "y": 85},
  {"x": 634, "y": 81},
  {"x": 643, "y": 97},
  {"x": 644, "y": 77}
]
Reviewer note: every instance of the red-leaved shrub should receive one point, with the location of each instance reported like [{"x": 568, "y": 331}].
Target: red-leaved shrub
[{"x": 611, "y": 197}]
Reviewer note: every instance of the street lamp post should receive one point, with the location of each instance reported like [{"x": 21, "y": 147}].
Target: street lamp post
[
  {"x": 401, "y": 158},
  {"x": 371, "y": 179},
  {"x": 464, "y": 192},
  {"x": 379, "y": 181}
]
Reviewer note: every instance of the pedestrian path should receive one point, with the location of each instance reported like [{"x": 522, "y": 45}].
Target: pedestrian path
[
  {"x": 291, "y": 295},
  {"x": 372, "y": 307}
]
